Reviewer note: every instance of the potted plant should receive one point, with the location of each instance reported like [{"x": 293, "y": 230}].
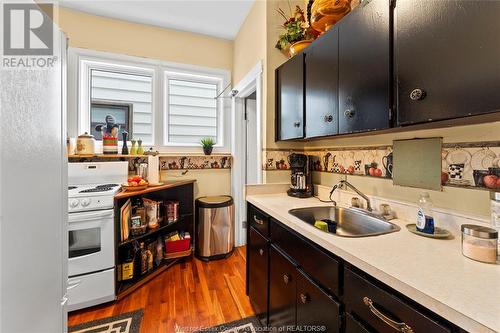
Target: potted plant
[
  {"x": 298, "y": 34},
  {"x": 208, "y": 145}
]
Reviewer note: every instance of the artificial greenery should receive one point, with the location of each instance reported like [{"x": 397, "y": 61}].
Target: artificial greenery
[
  {"x": 207, "y": 142},
  {"x": 296, "y": 26}
]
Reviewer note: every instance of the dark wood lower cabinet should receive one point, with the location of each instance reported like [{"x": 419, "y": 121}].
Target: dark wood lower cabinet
[
  {"x": 354, "y": 326},
  {"x": 316, "y": 310},
  {"x": 297, "y": 286},
  {"x": 258, "y": 259},
  {"x": 282, "y": 288}
]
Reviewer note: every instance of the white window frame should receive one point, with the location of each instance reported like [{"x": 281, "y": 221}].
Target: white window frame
[
  {"x": 85, "y": 67},
  {"x": 81, "y": 61},
  {"x": 198, "y": 78}
]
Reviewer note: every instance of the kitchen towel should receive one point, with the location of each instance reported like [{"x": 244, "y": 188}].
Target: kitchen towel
[{"x": 153, "y": 169}]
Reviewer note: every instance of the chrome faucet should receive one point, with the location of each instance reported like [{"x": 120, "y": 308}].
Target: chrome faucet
[{"x": 341, "y": 183}]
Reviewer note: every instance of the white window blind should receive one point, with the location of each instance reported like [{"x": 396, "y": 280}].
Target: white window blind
[
  {"x": 192, "y": 111},
  {"x": 134, "y": 89}
]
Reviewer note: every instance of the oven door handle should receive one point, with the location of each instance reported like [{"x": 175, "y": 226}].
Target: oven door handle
[
  {"x": 88, "y": 216},
  {"x": 74, "y": 284}
]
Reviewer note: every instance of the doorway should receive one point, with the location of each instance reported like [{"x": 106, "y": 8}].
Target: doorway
[
  {"x": 250, "y": 118},
  {"x": 246, "y": 144}
]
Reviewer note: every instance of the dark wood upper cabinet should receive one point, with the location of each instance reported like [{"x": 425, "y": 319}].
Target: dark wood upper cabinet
[
  {"x": 290, "y": 99},
  {"x": 364, "y": 68},
  {"x": 321, "y": 84},
  {"x": 447, "y": 59}
]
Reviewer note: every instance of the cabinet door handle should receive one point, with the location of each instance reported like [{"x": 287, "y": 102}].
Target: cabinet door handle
[
  {"x": 400, "y": 327},
  {"x": 417, "y": 94},
  {"x": 257, "y": 220},
  {"x": 328, "y": 118},
  {"x": 304, "y": 298},
  {"x": 286, "y": 278},
  {"x": 349, "y": 113},
  {"x": 296, "y": 124},
  {"x": 261, "y": 252}
]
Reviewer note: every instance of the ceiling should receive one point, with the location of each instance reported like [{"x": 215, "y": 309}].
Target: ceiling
[{"x": 217, "y": 18}]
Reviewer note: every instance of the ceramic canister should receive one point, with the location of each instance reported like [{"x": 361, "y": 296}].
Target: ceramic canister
[{"x": 85, "y": 144}]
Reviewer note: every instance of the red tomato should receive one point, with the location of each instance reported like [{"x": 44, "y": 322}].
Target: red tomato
[
  {"x": 498, "y": 183},
  {"x": 371, "y": 171},
  {"x": 377, "y": 173},
  {"x": 136, "y": 179},
  {"x": 490, "y": 181},
  {"x": 130, "y": 179},
  {"x": 350, "y": 169}
]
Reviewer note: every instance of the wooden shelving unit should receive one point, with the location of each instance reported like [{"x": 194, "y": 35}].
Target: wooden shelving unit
[
  {"x": 154, "y": 232},
  {"x": 182, "y": 191}
]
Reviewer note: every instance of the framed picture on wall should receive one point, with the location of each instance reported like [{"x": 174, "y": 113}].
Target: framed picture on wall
[{"x": 122, "y": 112}]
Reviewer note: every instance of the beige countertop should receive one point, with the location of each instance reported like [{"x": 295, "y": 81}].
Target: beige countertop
[{"x": 432, "y": 272}]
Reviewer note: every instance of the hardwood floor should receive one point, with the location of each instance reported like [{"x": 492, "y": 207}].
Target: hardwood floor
[{"x": 187, "y": 296}]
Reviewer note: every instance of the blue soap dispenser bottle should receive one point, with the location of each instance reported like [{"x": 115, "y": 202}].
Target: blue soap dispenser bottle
[{"x": 425, "y": 214}]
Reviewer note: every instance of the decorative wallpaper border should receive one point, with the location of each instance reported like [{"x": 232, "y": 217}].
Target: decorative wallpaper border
[
  {"x": 468, "y": 165},
  {"x": 174, "y": 162},
  {"x": 195, "y": 162}
]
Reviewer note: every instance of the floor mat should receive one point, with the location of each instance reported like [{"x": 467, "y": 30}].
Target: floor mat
[
  {"x": 129, "y": 322},
  {"x": 245, "y": 325}
]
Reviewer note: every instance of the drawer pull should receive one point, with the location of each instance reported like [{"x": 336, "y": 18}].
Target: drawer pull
[
  {"x": 400, "y": 327},
  {"x": 261, "y": 252},
  {"x": 304, "y": 298},
  {"x": 257, "y": 220},
  {"x": 286, "y": 278}
]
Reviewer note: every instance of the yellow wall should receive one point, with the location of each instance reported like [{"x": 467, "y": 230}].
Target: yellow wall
[
  {"x": 116, "y": 36},
  {"x": 208, "y": 182},
  {"x": 250, "y": 42}
]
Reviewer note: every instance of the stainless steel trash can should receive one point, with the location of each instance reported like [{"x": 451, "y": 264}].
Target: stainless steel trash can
[{"x": 214, "y": 227}]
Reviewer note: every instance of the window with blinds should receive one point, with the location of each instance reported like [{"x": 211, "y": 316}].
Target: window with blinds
[
  {"x": 128, "y": 98},
  {"x": 192, "y": 112}
]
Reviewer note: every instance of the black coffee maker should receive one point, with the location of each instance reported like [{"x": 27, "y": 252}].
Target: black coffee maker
[{"x": 301, "y": 178}]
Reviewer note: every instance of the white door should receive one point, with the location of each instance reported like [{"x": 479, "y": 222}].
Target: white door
[{"x": 33, "y": 198}]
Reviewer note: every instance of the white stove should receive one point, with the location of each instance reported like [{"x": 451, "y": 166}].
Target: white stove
[
  {"x": 91, "y": 269},
  {"x": 91, "y": 197}
]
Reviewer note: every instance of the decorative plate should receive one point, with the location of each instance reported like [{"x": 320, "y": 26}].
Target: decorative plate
[
  {"x": 438, "y": 232},
  {"x": 482, "y": 159},
  {"x": 370, "y": 157},
  {"x": 459, "y": 156}
]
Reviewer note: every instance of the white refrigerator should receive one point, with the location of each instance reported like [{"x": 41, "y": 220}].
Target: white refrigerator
[{"x": 33, "y": 197}]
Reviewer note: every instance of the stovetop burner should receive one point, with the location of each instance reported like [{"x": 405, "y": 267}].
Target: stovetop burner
[
  {"x": 107, "y": 185},
  {"x": 100, "y": 188}
]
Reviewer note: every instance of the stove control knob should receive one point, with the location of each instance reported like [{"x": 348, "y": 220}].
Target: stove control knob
[
  {"x": 74, "y": 203},
  {"x": 85, "y": 202}
]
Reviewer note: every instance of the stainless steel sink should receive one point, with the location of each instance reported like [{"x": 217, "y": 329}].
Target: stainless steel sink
[{"x": 346, "y": 222}]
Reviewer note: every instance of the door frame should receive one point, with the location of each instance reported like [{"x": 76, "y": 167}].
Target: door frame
[{"x": 250, "y": 83}]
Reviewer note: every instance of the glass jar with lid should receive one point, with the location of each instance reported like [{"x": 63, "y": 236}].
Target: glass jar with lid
[{"x": 479, "y": 243}]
